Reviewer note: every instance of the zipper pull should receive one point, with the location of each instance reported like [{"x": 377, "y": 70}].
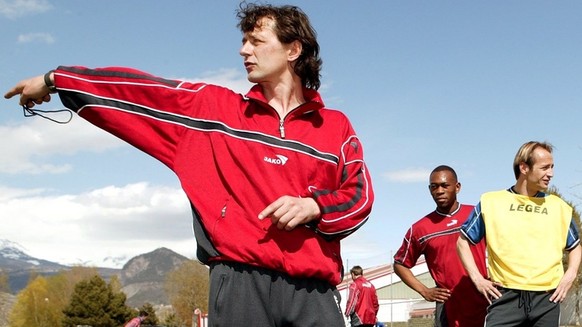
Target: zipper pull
[
  {"x": 281, "y": 129},
  {"x": 223, "y": 211}
]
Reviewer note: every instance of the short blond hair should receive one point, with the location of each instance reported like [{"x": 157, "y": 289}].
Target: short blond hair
[{"x": 525, "y": 154}]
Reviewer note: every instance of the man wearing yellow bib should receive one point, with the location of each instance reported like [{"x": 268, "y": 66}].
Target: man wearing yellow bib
[{"x": 526, "y": 231}]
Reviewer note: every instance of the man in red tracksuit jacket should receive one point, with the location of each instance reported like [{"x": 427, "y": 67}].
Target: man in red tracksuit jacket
[
  {"x": 362, "y": 306},
  {"x": 274, "y": 178},
  {"x": 136, "y": 322}
]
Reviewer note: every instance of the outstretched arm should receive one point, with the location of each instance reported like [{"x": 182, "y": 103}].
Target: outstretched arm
[{"x": 430, "y": 294}]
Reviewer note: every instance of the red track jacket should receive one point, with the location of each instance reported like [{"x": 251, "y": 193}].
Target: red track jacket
[
  {"x": 234, "y": 155},
  {"x": 362, "y": 306}
]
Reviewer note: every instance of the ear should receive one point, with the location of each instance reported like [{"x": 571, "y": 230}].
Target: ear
[
  {"x": 295, "y": 50},
  {"x": 458, "y": 188},
  {"x": 523, "y": 167}
]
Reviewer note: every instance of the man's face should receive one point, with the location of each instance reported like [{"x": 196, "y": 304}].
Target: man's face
[
  {"x": 266, "y": 59},
  {"x": 444, "y": 188},
  {"x": 540, "y": 173}
]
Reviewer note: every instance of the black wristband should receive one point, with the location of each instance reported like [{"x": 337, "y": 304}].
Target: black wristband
[{"x": 47, "y": 81}]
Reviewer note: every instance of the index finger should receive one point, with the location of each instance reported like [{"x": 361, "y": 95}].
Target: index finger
[
  {"x": 270, "y": 209},
  {"x": 14, "y": 91},
  {"x": 496, "y": 293}
]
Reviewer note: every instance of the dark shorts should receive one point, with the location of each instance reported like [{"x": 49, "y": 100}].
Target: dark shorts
[
  {"x": 523, "y": 308},
  {"x": 244, "y": 295}
]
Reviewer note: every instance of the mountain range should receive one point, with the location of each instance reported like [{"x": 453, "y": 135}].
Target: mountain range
[{"x": 142, "y": 277}]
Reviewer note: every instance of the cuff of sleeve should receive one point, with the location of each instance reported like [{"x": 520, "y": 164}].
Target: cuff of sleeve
[{"x": 49, "y": 83}]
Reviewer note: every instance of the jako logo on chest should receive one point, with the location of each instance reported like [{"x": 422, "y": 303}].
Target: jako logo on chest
[
  {"x": 279, "y": 160},
  {"x": 528, "y": 208}
]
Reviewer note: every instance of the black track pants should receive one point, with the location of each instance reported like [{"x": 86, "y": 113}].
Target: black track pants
[
  {"x": 523, "y": 308},
  {"x": 243, "y": 295}
]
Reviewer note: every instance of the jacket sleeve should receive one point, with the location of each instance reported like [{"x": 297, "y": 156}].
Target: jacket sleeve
[
  {"x": 375, "y": 302},
  {"x": 352, "y": 299},
  {"x": 146, "y": 111},
  {"x": 346, "y": 208}
]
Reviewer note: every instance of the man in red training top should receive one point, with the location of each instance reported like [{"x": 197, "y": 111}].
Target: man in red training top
[
  {"x": 362, "y": 306},
  {"x": 275, "y": 179},
  {"x": 458, "y": 303},
  {"x": 136, "y": 322}
]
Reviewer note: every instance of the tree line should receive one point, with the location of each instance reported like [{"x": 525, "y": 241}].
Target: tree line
[{"x": 81, "y": 297}]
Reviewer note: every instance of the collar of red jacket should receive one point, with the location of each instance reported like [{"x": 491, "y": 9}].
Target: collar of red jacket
[{"x": 312, "y": 98}]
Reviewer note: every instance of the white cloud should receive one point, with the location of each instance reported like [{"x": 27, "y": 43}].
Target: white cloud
[
  {"x": 24, "y": 144},
  {"x": 109, "y": 222},
  {"x": 410, "y": 175},
  {"x": 36, "y": 38},
  {"x": 8, "y": 193},
  {"x": 20, "y": 8}
]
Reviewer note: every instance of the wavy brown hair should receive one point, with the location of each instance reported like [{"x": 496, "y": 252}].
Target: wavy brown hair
[{"x": 291, "y": 24}]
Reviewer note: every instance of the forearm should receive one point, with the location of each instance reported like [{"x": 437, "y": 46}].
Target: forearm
[
  {"x": 115, "y": 87},
  {"x": 430, "y": 294},
  {"x": 350, "y": 304},
  {"x": 344, "y": 210},
  {"x": 408, "y": 278},
  {"x": 574, "y": 259},
  {"x": 467, "y": 259},
  {"x": 134, "y": 106}
]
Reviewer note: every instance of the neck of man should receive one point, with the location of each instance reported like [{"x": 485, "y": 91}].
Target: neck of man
[
  {"x": 522, "y": 187},
  {"x": 448, "y": 209},
  {"x": 284, "y": 95}
]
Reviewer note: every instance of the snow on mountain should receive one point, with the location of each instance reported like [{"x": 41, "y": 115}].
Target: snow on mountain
[
  {"x": 13, "y": 257},
  {"x": 14, "y": 251},
  {"x": 115, "y": 262}
]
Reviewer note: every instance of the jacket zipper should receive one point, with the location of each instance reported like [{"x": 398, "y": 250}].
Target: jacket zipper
[
  {"x": 282, "y": 120},
  {"x": 281, "y": 128}
]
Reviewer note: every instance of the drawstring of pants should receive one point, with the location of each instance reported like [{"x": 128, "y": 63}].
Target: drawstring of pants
[{"x": 524, "y": 301}]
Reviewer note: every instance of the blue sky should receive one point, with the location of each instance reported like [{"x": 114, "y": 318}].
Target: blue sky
[{"x": 424, "y": 83}]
